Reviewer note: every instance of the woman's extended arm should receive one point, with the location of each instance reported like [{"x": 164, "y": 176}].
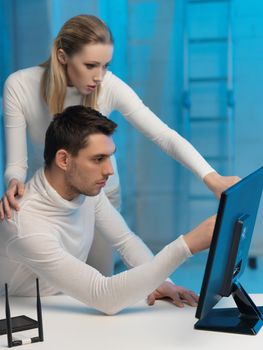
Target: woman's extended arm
[{"x": 124, "y": 99}]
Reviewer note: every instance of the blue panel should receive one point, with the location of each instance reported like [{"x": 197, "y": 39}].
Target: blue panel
[
  {"x": 6, "y": 67},
  {"x": 6, "y": 42},
  {"x": 116, "y": 17},
  {"x": 142, "y": 24},
  {"x": 62, "y": 10},
  {"x": 31, "y": 33},
  {"x": 2, "y": 153}
]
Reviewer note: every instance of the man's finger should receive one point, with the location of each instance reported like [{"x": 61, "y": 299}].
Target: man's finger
[
  {"x": 189, "y": 299},
  {"x": 177, "y": 300},
  {"x": 151, "y": 299},
  {"x": 194, "y": 295}
]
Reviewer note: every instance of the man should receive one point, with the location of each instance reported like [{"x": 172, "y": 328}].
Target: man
[{"x": 51, "y": 235}]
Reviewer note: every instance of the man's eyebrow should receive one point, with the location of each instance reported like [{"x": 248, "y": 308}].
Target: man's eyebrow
[{"x": 105, "y": 155}]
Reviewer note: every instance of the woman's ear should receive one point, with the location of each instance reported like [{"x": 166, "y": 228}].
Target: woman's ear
[
  {"x": 62, "y": 159},
  {"x": 62, "y": 56}
]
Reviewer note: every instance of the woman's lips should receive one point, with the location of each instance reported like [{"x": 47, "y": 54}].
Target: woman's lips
[{"x": 91, "y": 87}]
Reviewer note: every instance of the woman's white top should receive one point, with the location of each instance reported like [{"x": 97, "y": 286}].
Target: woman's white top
[{"x": 26, "y": 114}]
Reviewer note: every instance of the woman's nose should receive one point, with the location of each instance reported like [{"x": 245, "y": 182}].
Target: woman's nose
[{"x": 98, "y": 75}]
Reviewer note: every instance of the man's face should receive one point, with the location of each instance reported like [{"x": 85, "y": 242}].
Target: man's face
[{"x": 88, "y": 172}]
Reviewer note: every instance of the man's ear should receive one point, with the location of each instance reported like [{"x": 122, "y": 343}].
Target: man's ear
[
  {"x": 62, "y": 159},
  {"x": 62, "y": 56}
]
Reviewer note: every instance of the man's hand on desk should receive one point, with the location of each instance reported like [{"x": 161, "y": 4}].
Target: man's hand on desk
[{"x": 178, "y": 295}]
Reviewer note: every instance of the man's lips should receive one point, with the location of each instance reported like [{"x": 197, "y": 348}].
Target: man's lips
[{"x": 102, "y": 182}]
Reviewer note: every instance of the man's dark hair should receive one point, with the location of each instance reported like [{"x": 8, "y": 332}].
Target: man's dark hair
[{"x": 69, "y": 130}]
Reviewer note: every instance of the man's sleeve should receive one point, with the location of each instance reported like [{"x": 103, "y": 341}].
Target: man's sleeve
[
  {"x": 45, "y": 257},
  {"x": 113, "y": 227}
]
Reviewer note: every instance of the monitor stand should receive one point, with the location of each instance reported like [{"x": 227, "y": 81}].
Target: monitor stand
[{"x": 246, "y": 318}]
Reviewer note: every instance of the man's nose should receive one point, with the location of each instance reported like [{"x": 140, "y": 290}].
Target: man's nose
[{"x": 108, "y": 168}]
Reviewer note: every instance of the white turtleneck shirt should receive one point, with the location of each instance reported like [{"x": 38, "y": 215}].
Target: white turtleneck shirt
[{"x": 50, "y": 237}]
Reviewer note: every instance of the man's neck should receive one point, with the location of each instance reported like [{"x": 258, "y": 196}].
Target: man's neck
[{"x": 56, "y": 179}]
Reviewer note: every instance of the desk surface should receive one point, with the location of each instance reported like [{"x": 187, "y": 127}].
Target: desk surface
[{"x": 70, "y": 325}]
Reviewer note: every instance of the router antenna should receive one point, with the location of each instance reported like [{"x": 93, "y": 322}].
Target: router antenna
[
  {"x": 39, "y": 314},
  {"x": 8, "y": 318}
]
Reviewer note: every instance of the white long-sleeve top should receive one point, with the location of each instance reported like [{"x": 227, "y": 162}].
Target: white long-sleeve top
[
  {"x": 26, "y": 114},
  {"x": 50, "y": 237}
]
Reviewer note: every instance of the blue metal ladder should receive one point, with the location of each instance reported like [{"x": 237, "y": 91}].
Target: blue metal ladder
[{"x": 207, "y": 103}]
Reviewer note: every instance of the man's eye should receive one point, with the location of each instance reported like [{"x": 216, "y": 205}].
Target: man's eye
[
  {"x": 98, "y": 159},
  {"x": 106, "y": 66}
]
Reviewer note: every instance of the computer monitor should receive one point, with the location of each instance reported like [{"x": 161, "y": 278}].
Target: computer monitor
[{"x": 227, "y": 259}]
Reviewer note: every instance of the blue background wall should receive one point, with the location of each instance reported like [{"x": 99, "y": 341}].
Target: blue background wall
[{"x": 149, "y": 56}]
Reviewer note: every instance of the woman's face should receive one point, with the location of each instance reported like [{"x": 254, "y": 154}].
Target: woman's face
[{"x": 86, "y": 69}]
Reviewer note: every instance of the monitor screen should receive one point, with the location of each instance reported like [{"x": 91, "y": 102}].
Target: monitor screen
[{"x": 227, "y": 259}]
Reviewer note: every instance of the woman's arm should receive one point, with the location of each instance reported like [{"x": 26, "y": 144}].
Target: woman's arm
[
  {"x": 123, "y": 98},
  {"x": 15, "y": 131},
  {"x": 16, "y": 145}
]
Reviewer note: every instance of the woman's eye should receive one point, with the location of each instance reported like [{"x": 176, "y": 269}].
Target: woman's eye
[{"x": 89, "y": 65}]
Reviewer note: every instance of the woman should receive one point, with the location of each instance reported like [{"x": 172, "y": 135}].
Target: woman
[{"x": 76, "y": 73}]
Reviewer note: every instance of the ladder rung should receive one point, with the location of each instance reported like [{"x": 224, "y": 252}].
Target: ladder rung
[
  {"x": 208, "y": 119},
  {"x": 206, "y": 1},
  {"x": 141, "y": 42},
  {"x": 198, "y": 197},
  {"x": 207, "y": 79},
  {"x": 218, "y": 158},
  {"x": 208, "y": 40}
]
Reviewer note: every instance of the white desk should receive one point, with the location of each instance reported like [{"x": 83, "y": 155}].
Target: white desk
[{"x": 69, "y": 325}]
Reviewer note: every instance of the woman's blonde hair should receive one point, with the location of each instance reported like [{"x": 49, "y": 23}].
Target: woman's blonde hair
[{"x": 76, "y": 32}]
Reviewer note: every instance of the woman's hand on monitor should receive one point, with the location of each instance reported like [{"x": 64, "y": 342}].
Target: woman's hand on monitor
[{"x": 218, "y": 184}]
